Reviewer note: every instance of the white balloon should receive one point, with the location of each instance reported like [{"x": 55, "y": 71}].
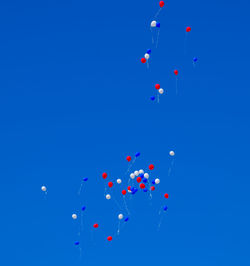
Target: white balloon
[
  {"x": 161, "y": 91},
  {"x": 120, "y": 216},
  {"x": 132, "y": 176},
  {"x": 43, "y": 188},
  {"x": 136, "y": 173},
  {"x": 108, "y": 197},
  {"x": 171, "y": 153},
  {"x": 118, "y": 181},
  {"x": 74, "y": 216},
  {"x": 157, "y": 181},
  {"x": 141, "y": 171},
  {"x": 147, "y": 56},
  {"x": 153, "y": 24},
  {"x": 146, "y": 175}
]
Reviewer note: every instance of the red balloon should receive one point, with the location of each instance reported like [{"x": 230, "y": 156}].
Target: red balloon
[
  {"x": 104, "y": 175},
  {"x": 128, "y": 158},
  {"x": 124, "y": 192},
  {"x": 129, "y": 188},
  {"x": 157, "y": 86},
  {"x": 110, "y": 184},
  {"x": 138, "y": 179},
  {"x": 176, "y": 72},
  {"x": 188, "y": 29},
  {"x": 143, "y": 60},
  {"x": 142, "y": 186},
  {"x": 152, "y": 188},
  {"x": 151, "y": 167},
  {"x": 109, "y": 238},
  {"x": 161, "y": 3},
  {"x": 95, "y": 225},
  {"x": 166, "y": 195}
]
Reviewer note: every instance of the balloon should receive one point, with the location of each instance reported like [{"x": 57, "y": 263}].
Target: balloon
[
  {"x": 104, "y": 175},
  {"x": 153, "y": 182},
  {"x": 43, "y": 188},
  {"x": 141, "y": 171},
  {"x": 157, "y": 181},
  {"x": 152, "y": 188},
  {"x": 188, "y": 29},
  {"x": 146, "y": 175},
  {"x": 144, "y": 180},
  {"x": 161, "y": 3},
  {"x": 153, "y": 24},
  {"x": 141, "y": 175},
  {"x": 74, "y": 216},
  {"x": 108, "y": 197},
  {"x": 151, "y": 167},
  {"x": 132, "y": 176},
  {"x": 145, "y": 190},
  {"x": 136, "y": 173},
  {"x": 126, "y": 219},
  {"x": 137, "y": 154},
  {"x": 176, "y": 72},
  {"x": 158, "y": 24},
  {"x": 171, "y": 153},
  {"x": 124, "y": 192},
  {"x": 142, "y": 186},
  {"x": 166, "y": 195},
  {"x": 83, "y": 208},
  {"x": 77, "y": 243},
  {"x": 109, "y": 238},
  {"x": 165, "y": 208},
  {"x": 143, "y": 60},
  {"x": 120, "y": 216},
  {"x": 157, "y": 86},
  {"x": 110, "y": 184},
  {"x": 146, "y": 56},
  {"x": 128, "y": 158},
  {"x": 138, "y": 179},
  {"x": 129, "y": 188},
  {"x": 161, "y": 91},
  {"x": 95, "y": 225},
  {"x": 152, "y": 98},
  {"x": 195, "y": 59},
  {"x": 85, "y": 179},
  {"x": 118, "y": 181},
  {"x": 149, "y": 51}
]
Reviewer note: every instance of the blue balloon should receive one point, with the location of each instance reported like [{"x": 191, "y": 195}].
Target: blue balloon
[
  {"x": 153, "y": 182},
  {"x": 165, "y": 208},
  {"x": 158, "y": 24},
  {"x": 77, "y": 243},
  {"x": 152, "y": 98},
  {"x": 195, "y": 59},
  {"x": 126, "y": 219},
  {"x": 137, "y": 154},
  {"x": 141, "y": 175},
  {"x": 83, "y": 208},
  {"x": 85, "y": 179},
  {"x": 145, "y": 190},
  {"x": 149, "y": 51},
  {"x": 144, "y": 180}
]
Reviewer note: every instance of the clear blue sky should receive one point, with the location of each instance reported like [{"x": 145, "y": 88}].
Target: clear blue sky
[{"x": 74, "y": 102}]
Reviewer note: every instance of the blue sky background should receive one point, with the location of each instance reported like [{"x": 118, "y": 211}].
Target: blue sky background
[{"x": 74, "y": 102}]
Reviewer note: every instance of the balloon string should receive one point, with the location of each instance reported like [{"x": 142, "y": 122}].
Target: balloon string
[
  {"x": 80, "y": 189},
  {"x": 116, "y": 202},
  {"x": 152, "y": 35},
  {"x": 170, "y": 168},
  {"x": 118, "y": 230},
  {"x": 126, "y": 206},
  {"x": 158, "y": 35},
  {"x": 176, "y": 85},
  {"x": 158, "y": 12}
]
